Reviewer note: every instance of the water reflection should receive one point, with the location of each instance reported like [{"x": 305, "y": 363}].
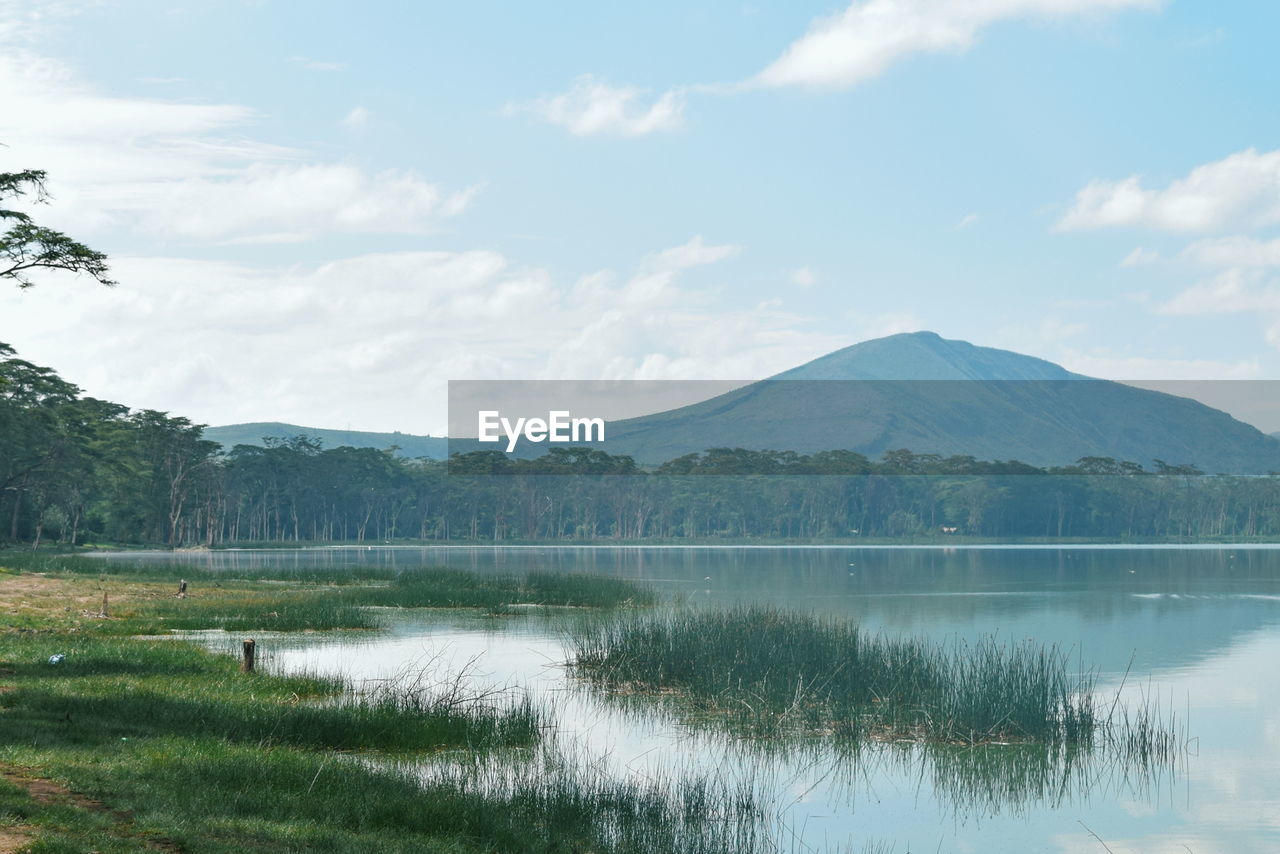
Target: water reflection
[{"x": 1201, "y": 627}]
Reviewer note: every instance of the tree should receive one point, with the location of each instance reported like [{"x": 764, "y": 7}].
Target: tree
[{"x": 25, "y": 246}]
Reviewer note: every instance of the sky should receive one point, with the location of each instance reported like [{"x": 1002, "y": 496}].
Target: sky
[{"x": 320, "y": 212}]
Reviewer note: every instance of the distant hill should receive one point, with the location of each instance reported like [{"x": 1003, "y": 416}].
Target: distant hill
[
  {"x": 933, "y": 395},
  {"x": 411, "y": 446},
  {"x": 925, "y": 356}
]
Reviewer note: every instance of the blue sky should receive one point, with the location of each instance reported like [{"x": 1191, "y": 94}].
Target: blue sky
[{"x": 322, "y": 211}]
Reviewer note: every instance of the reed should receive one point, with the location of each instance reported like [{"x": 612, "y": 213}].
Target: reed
[
  {"x": 769, "y": 672},
  {"x": 208, "y": 797}
]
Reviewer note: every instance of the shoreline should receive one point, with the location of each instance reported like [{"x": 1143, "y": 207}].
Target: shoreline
[{"x": 1259, "y": 545}]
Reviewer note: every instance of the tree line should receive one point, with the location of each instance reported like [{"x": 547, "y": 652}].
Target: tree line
[{"x": 74, "y": 469}]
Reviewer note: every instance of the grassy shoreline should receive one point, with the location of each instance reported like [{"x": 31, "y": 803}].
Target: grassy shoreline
[
  {"x": 690, "y": 542},
  {"x": 134, "y": 743},
  {"x": 287, "y": 599}
]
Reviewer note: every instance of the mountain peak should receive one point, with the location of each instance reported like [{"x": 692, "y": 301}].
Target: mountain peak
[
  {"x": 997, "y": 405},
  {"x": 925, "y": 355}
]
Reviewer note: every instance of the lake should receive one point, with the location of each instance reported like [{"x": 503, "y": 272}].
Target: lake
[{"x": 1196, "y": 629}]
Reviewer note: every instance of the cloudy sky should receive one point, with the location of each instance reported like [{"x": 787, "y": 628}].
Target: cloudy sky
[{"x": 318, "y": 212}]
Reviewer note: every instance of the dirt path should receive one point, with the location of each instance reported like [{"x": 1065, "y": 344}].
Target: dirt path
[
  {"x": 14, "y": 839},
  {"x": 61, "y": 602},
  {"x": 46, "y": 792}
]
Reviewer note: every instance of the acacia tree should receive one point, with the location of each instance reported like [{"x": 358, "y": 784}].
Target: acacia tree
[{"x": 26, "y": 246}]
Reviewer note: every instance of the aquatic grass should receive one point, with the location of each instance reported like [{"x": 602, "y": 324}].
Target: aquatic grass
[
  {"x": 197, "y": 756},
  {"x": 184, "y": 752},
  {"x": 282, "y": 799},
  {"x": 769, "y": 672},
  {"x": 569, "y": 804},
  {"x": 455, "y": 588},
  {"x": 107, "y": 689},
  {"x": 203, "y": 758}
]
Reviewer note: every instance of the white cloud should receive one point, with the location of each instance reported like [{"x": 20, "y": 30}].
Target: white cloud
[
  {"x": 286, "y": 202},
  {"x": 1241, "y": 190},
  {"x": 804, "y": 277},
  {"x": 1243, "y": 282},
  {"x": 183, "y": 170},
  {"x": 370, "y": 340},
  {"x": 1230, "y": 292},
  {"x": 25, "y": 20},
  {"x": 692, "y": 254},
  {"x": 966, "y": 221},
  {"x": 1053, "y": 329},
  {"x": 1041, "y": 339},
  {"x": 592, "y": 107},
  {"x": 1237, "y": 251},
  {"x": 866, "y": 38},
  {"x": 868, "y": 326},
  {"x": 1120, "y": 367},
  {"x": 1140, "y": 257},
  {"x": 356, "y": 119}
]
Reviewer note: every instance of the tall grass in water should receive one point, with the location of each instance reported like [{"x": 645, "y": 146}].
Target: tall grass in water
[
  {"x": 770, "y": 672},
  {"x": 108, "y": 689},
  {"x": 567, "y": 803},
  {"x": 214, "y": 760},
  {"x": 208, "y": 796}
]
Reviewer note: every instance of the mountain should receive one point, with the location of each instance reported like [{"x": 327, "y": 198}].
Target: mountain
[
  {"x": 926, "y": 356},
  {"x": 230, "y": 435},
  {"x": 932, "y": 395}
]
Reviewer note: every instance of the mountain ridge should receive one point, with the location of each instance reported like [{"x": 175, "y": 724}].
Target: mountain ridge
[
  {"x": 256, "y": 432},
  {"x": 930, "y": 394},
  {"x": 914, "y": 390},
  {"x": 925, "y": 355}
]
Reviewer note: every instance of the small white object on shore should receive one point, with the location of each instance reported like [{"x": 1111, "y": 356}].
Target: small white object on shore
[{"x": 56, "y": 659}]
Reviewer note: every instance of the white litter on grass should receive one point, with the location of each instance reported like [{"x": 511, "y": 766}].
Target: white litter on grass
[{"x": 56, "y": 659}]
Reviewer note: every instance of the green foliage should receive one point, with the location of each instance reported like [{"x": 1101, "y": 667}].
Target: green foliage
[
  {"x": 181, "y": 750},
  {"x": 26, "y": 246},
  {"x": 405, "y": 445},
  {"x": 282, "y": 799},
  {"x": 76, "y": 470},
  {"x": 108, "y": 689}
]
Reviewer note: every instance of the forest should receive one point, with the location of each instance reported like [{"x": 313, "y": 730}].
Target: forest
[{"x": 75, "y": 470}]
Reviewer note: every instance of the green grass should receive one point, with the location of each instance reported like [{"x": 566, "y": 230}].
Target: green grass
[
  {"x": 455, "y": 587},
  {"x": 769, "y": 673},
  {"x": 183, "y": 751},
  {"x": 107, "y": 689},
  {"x": 289, "y": 599},
  {"x": 208, "y": 797},
  {"x": 317, "y": 605}
]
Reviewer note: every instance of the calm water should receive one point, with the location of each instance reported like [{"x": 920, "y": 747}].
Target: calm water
[{"x": 1197, "y": 628}]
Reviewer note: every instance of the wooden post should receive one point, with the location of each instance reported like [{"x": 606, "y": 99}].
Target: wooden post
[
  {"x": 246, "y": 664},
  {"x": 105, "y": 613}
]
